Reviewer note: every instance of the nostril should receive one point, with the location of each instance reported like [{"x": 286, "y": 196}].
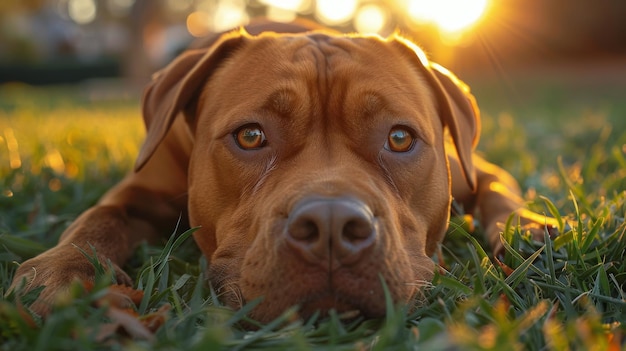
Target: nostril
[
  {"x": 357, "y": 230},
  {"x": 304, "y": 230}
]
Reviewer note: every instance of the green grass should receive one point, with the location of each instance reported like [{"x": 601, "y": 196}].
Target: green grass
[{"x": 61, "y": 149}]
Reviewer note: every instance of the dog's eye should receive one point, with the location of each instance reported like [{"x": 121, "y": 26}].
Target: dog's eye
[
  {"x": 400, "y": 139},
  {"x": 250, "y": 137}
]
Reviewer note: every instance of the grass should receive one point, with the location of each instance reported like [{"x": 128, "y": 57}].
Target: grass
[{"x": 61, "y": 148}]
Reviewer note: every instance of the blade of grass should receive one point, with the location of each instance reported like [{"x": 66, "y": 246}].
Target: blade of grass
[
  {"x": 592, "y": 235},
  {"x": 253, "y": 337},
  {"x": 549, "y": 256},
  {"x": 20, "y": 246},
  {"x": 575, "y": 190},
  {"x": 147, "y": 287},
  {"x": 554, "y": 212},
  {"x": 520, "y": 271},
  {"x": 172, "y": 244},
  {"x": 478, "y": 248},
  {"x": 100, "y": 270}
]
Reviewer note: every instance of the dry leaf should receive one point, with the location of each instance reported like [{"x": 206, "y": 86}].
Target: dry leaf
[
  {"x": 121, "y": 301},
  {"x": 153, "y": 321},
  {"x": 129, "y": 324}
]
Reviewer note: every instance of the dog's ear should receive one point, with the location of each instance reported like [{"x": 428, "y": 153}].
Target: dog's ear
[
  {"x": 460, "y": 114},
  {"x": 175, "y": 88},
  {"x": 458, "y": 109}
]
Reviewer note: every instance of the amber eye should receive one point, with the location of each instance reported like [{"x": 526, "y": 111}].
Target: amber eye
[
  {"x": 400, "y": 139},
  {"x": 250, "y": 137}
]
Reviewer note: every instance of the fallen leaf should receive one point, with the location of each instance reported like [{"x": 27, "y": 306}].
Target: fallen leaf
[
  {"x": 122, "y": 321},
  {"x": 121, "y": 302},
  {"x": 153, "y": 321}
]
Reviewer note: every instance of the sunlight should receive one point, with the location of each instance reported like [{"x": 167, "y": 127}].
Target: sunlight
[
  {"x": 15, "y": 161},
  {"x": 229, "y": 14},
  {"x": 278, "y": 14},
  {"x": 370, "y": 19},
  {"x": 333, "y": 12},
  {"x": 285, "y": 10},
  {"x": 451, "y": 16},
  {"x": 55, "y": 161},
  {"x": 291, "y": 5}
]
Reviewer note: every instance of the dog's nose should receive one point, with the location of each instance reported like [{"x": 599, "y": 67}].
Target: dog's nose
[{"x": 331, "y": 231}]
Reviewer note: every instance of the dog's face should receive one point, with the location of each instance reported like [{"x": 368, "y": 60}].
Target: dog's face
[{"x": 318, "y": 170}]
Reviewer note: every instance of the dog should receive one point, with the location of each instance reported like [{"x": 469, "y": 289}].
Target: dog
[{"x": 313, "y": 163}]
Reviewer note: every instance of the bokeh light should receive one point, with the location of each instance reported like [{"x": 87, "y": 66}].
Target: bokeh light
[
  {"x": 280, "y": 15},
  {"x": 82, "y": 11},
  {"x": 285, "y": 10},
  {"x": 198, "y": 23},
  {"x": 452, "y": 18},
  {"x": 371, "y": 18},
  {"x": 229, "y": 14},
  {"x": 334, "y": 12},
  {"x": 291, "y": 5}
]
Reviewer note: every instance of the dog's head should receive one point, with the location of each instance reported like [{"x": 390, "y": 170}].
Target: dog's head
[{"x": 318, "y": 165}]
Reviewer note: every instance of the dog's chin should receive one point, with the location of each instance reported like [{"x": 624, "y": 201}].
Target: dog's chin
[
  {"x": 346, "y": 309},
  {"x": 320, "y": 306},
  {"x": 347, "y": 305}
]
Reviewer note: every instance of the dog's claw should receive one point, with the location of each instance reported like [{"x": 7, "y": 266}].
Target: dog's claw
[{"x": 55, "y": 271}]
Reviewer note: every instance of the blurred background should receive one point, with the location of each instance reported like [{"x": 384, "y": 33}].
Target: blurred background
[{"x": 64, "y": 41}]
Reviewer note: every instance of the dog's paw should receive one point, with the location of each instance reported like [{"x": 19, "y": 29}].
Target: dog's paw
[{"x": 55, "y": 271}]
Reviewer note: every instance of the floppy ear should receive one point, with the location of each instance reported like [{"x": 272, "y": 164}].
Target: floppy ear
[
  {"x": 175, "y": 87},
  {"x": 458, "y": 109},
  {"x": 460, "y": 113}
]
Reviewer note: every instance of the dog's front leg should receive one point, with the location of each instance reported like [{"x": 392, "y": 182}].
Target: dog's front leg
[
  {"x": 103, "y": 228},
  {"x": 496, "y": 198},
  {"x": 125, "y": 217}
]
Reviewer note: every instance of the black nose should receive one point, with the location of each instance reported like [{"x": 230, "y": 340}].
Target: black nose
[{"x": 331, "y": 231}]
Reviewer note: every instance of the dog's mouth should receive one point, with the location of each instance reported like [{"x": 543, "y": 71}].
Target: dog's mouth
[
  {"x": 322, "y": 305},
  {"x": 349, "y": 292},
  {"x": 347, "y": 295}
]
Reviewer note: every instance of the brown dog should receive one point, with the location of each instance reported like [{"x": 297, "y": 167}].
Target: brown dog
[{"x": 313, "y": 163}]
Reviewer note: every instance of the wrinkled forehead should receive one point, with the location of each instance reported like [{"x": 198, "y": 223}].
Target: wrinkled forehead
[
  {"x": 328, "y": 56},
  {"x": 328, "y": 68}
]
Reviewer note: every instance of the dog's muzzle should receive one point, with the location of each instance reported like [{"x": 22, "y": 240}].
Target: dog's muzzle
[{"x": 331, "y": 231}]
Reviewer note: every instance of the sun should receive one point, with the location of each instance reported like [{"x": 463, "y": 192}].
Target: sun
[{"x": 450, "y": 16}]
